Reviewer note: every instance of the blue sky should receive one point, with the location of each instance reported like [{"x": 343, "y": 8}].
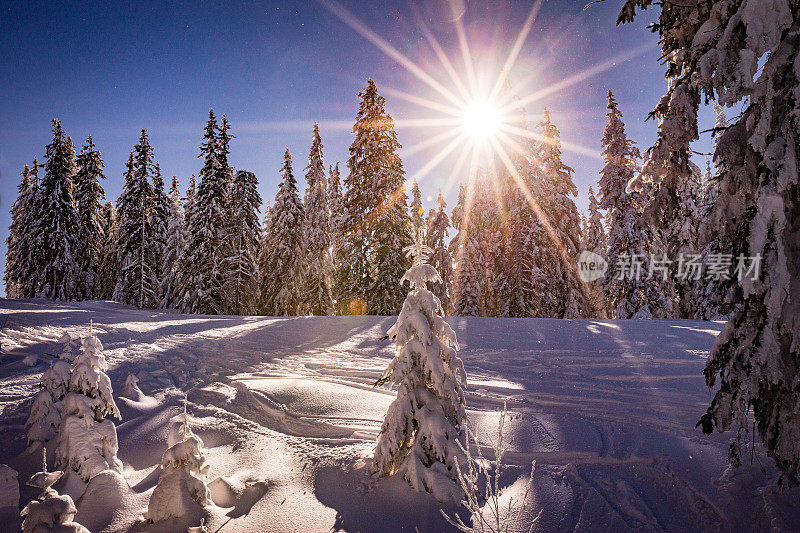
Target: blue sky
[{"x": 110, "y": 69}]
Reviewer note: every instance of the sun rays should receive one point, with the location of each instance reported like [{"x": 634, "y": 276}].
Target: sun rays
[{"x": 475, "y": 117}]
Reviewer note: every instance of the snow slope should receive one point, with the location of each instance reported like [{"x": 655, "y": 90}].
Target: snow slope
[{"x": 289, "y": 419}]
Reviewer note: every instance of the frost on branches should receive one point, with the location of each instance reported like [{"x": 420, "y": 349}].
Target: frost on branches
[
  {"x": 180, "y": 486},
  {"x": 50, "y": 512},
  {"x": 87, "y": 441},
  {"x": 419, "y": 439},
  {"x": 714, "y": 50}
]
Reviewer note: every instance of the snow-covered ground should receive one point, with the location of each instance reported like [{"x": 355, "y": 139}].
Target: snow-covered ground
[{"x": 288, "y": 415}]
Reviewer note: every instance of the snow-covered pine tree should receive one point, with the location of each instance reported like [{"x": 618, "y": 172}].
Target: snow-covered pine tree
[
  {"x": 207, "y": 228},
  {"x": 89, "y": 195},
  {"x": 337, "y": 221},
  {"x": 376, "y": 226},
  {"x": 50, "y": 511},
  {"x": 737, "y": 51},
  {"x": 317, "y": 295},
  {"x": 594, "y": 240},
  {"x": 419, "y": 439},
  {"x": 562, "y": 227},
  {"x": 189, "y": 203},
  {"x": 441, "y": 258},
  {"x": 485, "y": 221},
  {"x": 175, "y": 246},
  {"x": 712, "y": 302},
  {"x": 282, "y": 281},
  {"x": 629, "y": 237},
  {"x": 109, "y": 265},
  {"x": 45, "y": 416},
  {"x": 416, "y": 211},
  {"x": 137, "y": 283},
  {"x": 465, "y": 248},
  {"x": 56, "y": 233},
  {"x": 160, "y": 228},
  {"x": 87, "y": 440},
  {"x": 20, "y": 273},
  {"x": 241, "y": 264},
  {"x": 595, "y": 236},
  {"x": 181, "y": 486}
]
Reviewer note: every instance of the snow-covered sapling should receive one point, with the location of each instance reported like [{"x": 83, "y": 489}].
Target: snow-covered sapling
[
  {"x": 51, "y": 512},
  {"x": 181, "y": 485},
  {"x": 45, "y": 418},
  {"x": 66, "y": 352},
  {"x": 420, "y": 434},
  {"x": 487, "y": 511},
  {"x": 87, "y": 441}
]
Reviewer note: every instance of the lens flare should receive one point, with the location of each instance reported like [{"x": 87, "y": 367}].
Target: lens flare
[{"x": 481, "y": 120}]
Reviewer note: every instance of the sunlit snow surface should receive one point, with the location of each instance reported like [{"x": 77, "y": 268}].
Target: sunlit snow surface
[{"x": 288, "y": 414}]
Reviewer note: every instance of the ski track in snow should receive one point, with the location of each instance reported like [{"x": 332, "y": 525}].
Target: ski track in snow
[{"x": 288, "y": 413}]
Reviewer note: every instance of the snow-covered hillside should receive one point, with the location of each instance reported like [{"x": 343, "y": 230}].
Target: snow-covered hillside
[{"x": 288, "y": 416}]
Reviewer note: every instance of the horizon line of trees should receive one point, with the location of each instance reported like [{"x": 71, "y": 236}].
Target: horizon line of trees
[{"x": 338, "y": 249}]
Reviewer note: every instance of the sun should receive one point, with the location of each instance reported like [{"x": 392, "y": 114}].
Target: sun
[{"x": 481, "y": 120}]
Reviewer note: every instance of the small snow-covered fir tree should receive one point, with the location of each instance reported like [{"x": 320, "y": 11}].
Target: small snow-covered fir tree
[
  {"x": 282, "y": 266},
  {"x": 181, "y": 485},
  {"x": 56, "y": 229},
  {"x": 51, "y": 511},
  {"x": 241, "y": 263},
  {"x": 419, "y": 439},
  {"x": 45, "y": 417},
  {"x": 20, "y": 273},
  {"x": 87, "y": 440},
  {"x": 744, "y": 52},
  {"x": 171, "y": 288},
  {"x": 89, "y": 195},
  {"x": 317, "y": 295},
  {"x": 441, "y": 258}
]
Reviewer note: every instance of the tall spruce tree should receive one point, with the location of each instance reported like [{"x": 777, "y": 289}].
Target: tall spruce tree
[
  {"x": 441, "y": 259},
  {"x": 90, "y": 197},
  {"x": 466, "y": 249},
  {"x": 242, "y": 264},
  {"x": 561, "y": 223},
  {"x": 160, "y": 223},
  {"x": 337, "y": 221},
  {"x": 202, "y": 269},
  {"x": 628, "y": 292},
  {"x": 175, "y": 247},
  {"x": 594, "y": 240},
  {"x": 56, "y": 229},
  {"x": 109, "y": 262},
  {"x": 736, "y": 52},
  {"x": 416, "y": 210},
  {"x": 20, "y": 249},
  {"x": 136, "y": 245},
  {"x": 282, "y": 281},
  {"x": 376, "y": 225},
  {"x": 317, "y": 295}
]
